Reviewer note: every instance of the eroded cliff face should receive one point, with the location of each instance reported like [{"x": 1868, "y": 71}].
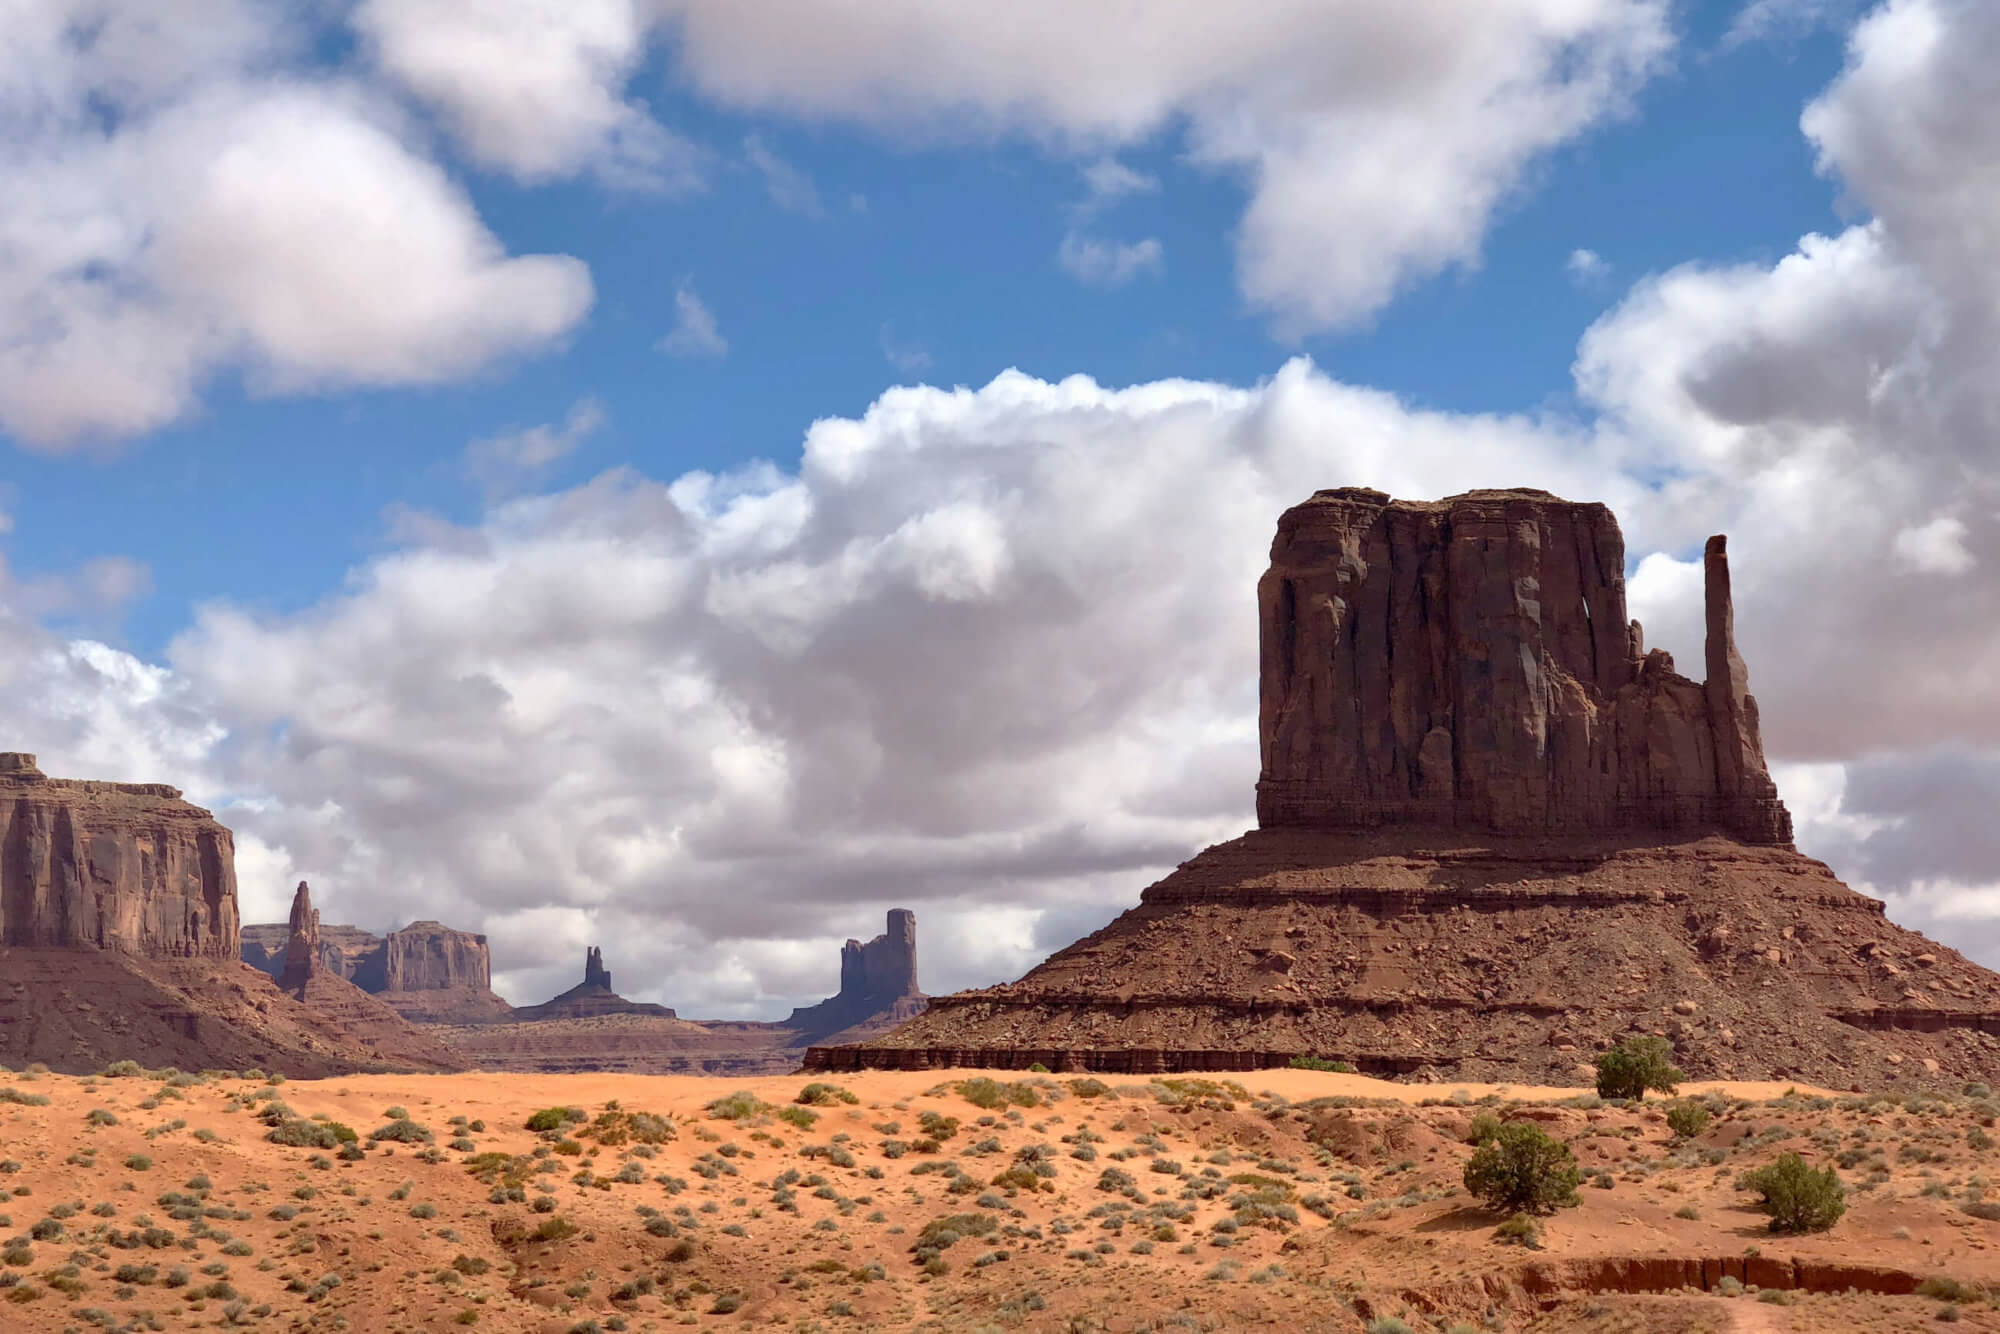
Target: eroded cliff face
[
  {"x": 116, "y": 866},
  {"x": 430, "y": 956},
  {"x": 1469, "y": 663},
  {"x": 878, "y": 985},
  {"x": 886, "y": 967}
]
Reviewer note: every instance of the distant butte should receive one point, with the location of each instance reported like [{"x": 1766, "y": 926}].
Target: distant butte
[
  {"x": 425, "y": 971},
  {"x": 119, "y": 940},
  {"x": 590, "y": 1028},
  {"x": 591, "y": 998},
  {"x": 1497, "y": 834}
]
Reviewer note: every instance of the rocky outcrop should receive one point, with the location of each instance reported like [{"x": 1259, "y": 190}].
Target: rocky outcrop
[
  {"x": 1497, "y": 837},
  {"x": 427, "y": 972},
  {"x": 113, "y": 866},
  {"x": 430, "y": 956},
  {"x": 591, "y": 1028},
  {"x": 591, "y": 998},
  {"x": 1469, "y": 663},
  {"x": 302, "y": 949},
  {"x": 119, "y": 940},
  {"x": 878, "y": 985}
]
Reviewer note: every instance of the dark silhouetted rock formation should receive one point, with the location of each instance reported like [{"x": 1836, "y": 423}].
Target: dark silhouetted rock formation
[
  {"x": 119, "y": 866},
  {"x": 1469, "y": 664},
  {"x": 576, "y": 1031},
  {"x": 1497, "y": 836},
  {"x": 591, "y": 998},
  {"x": 878, "y": 986}
]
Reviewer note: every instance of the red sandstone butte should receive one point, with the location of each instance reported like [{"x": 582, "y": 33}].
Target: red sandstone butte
[
  {"x": 1469, "y": 663},
  {"x": 1496, "y": 836},
  {"x": 124, "y": 866},
  {"x": 119, "y": 940}
]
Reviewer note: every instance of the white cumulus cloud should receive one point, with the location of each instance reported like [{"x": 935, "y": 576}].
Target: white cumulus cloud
[
  {"x": 232, "y": 217},
  {"x": 1375, "y": 141}
]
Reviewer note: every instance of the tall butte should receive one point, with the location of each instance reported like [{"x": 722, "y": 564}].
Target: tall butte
[{"x": 1496, "y": 835}]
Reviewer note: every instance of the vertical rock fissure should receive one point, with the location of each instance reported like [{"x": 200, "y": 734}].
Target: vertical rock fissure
[{"x": 1544, "y": 720}]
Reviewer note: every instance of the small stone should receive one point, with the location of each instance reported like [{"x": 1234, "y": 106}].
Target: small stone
[{"x": 1686, "y": 1006}]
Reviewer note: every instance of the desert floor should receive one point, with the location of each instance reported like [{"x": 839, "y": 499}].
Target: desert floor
[{"x": 948, "y": 1200}]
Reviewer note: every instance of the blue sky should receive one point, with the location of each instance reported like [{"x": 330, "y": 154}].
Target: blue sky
[
  {"x": 950, "y": 261},
  {"x": 554, "y": 468}
]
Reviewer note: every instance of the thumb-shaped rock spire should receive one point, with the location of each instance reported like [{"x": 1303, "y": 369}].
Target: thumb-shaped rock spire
[{"x": 302, "y": 946}]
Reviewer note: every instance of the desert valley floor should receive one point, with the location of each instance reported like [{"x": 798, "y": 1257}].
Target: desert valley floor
[{"x": 943, "y": 1200}]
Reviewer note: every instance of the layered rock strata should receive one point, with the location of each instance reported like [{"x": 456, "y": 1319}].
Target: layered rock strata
[
  {"x": 1497, "y": 837},
  {"x": 1469, "y": 663},
  {"x": 120, "y": 866},
  {"x": 425, "y": 971},
  {"x": 119, "y": 940}
]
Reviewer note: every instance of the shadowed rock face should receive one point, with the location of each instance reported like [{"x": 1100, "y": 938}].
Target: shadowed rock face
[
  {"x": 878, "y": 984},
  {"x": 124, "y": 866},
  {"x": 1468, "y": 663},
  {"x": 591, "y": 998}
]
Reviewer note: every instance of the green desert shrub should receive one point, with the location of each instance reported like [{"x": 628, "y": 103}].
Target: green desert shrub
[
  {"x": 739, "y": 1106},
  {"x": 1797, "y": 1197},
  {"x": 555, "y": 1118},
  {"x": 1485, "y": 1126},
  {"x": 822, "y": 1095},
  {"x": 1321, "y": 1063},
  {"x": 401, "y": 1131},
  {"x": 1522, "y": 1170},
  {"x": 993, "y": 1095},
  {"x": 1632, "y": 1068},
  {"x": 298, "y": 1133},
  {"x": 1687, "y": 1119}
]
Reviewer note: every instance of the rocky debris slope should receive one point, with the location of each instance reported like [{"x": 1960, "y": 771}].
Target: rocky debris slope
[
  {"x": 78, "y": 1011},
  {"x": 427, "y": 972},
  {"x": 124, "y": 866},
  {"x": 1496, "y": 838}
]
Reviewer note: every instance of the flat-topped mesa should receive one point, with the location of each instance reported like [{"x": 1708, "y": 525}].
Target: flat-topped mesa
[
  {"x": 1469, "y": 663},
  {"x": 116, "y": 866},
  {"x": 430, "y": 956}
]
